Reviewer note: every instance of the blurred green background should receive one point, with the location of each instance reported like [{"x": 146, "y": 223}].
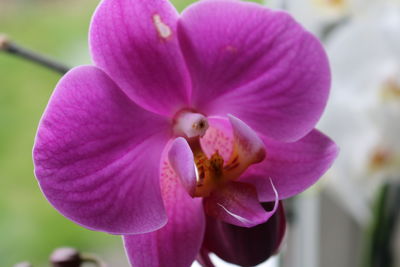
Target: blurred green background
[{"x": 29, "y": 227}]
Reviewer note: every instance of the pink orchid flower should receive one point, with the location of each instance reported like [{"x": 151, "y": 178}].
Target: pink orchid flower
[{"x": 209, "y": 112}]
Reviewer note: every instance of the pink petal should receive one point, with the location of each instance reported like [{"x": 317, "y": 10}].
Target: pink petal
[
  {"x": 219, "y": 136},
  {"x": 97, "y": 155},
  {"x": 248, "y": 144},
  {"x": 182, "y": 162},
  {"x": 237, "y": 204},
  {"x": 256, "y": 64},
  {"x": 178, "y": 242},
  {"x": 135, "y": 42},
  {"x": 245, "y": 246},
  {"x": 293, "y": 167}
]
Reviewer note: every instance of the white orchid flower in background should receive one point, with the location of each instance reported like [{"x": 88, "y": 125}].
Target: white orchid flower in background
[
  {"x": 319, "y": 16},
  {"x": 364, "y": 111}
]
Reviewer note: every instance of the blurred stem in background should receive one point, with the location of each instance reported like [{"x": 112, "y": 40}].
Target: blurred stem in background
[
  {"x": 379, "y": 249},
  {"x": 10, "y": 47},
  {"x": 69, "y": 257}
]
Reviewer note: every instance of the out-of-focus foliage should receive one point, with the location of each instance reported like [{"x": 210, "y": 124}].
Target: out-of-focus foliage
[{"x": 29, "y": 227}]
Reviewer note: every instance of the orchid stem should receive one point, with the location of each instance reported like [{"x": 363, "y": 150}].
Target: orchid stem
[
  {"x": 378, "y": 251},
  {"x": 10, "y": 47}
]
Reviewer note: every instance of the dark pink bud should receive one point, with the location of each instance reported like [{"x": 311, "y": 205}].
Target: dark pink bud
[{"x": 246, "y": 246}]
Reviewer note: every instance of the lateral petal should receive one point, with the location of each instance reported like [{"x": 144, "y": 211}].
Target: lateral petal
[
  {"x": 97, "y": 155},
  {"x": 293, "y": 167}
]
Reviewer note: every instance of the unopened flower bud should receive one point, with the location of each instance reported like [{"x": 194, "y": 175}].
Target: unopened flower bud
[{"x": 65, "y": 257}]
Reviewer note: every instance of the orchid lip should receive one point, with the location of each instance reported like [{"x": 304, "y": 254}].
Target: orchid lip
[{"x": 211, "y": 171}]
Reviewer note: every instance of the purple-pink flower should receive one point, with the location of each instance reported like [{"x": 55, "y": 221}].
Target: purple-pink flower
[{"x": 186, "y": 121}]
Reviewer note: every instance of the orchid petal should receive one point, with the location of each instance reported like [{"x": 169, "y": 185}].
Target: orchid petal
[
  {"x": 293, "y": 167},
  {"x": 182, "y": 162},
  {"x": 256, "y": 64},
  {"x": 237, "y": 203},
  {"x": 179, "y": 241},
  {"x": 97, "y": 155},
  {"x": 135, "y": 42},
  {"x": 245, "y": 246}
]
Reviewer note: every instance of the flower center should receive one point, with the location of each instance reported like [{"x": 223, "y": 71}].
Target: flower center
[
  {"x": 332, "y": 7},
  {"x": 390, "y": 89},
  {"x": 212, "y": 173},
  {"x": 212, "y": 170},
  {"x": 331, "y": 3}
]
